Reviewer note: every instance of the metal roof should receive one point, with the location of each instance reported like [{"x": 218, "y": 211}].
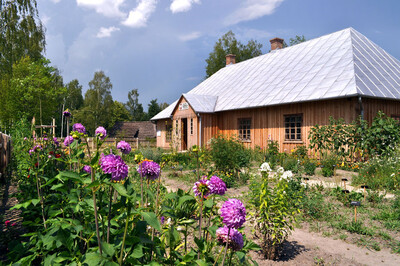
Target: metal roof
[{"x": 340, "y": 64}]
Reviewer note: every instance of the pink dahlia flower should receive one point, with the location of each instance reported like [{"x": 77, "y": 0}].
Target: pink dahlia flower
[
  {"x": 218, "y": 186},
  {"x": 124, "y": 147},
  {"x": 114, "y": 165},
  {"x": 233, "y": 213},
  {"x": 235, "y": 241},
  {"x": 149, "y": 169}
]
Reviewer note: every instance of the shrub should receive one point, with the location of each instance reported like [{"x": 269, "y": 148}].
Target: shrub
[
  {"x": 328, "y": 166},
  {"x": 228, "y": 154},
  {"x": 291, "y": 164},
  {"x": 309, "y": 167}
]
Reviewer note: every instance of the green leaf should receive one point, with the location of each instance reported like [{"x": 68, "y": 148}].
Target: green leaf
[
  {"x": 96, "y": 183},
  {"x": 35, "y": 201},
  {"x": 120, "y": 188},
  {"x": 209, "y": 203},
  {"x": 201, "y": 263},
  {"x": 183, "y": 199},
  {"x": 138, "y": 251},
  {"x": 93, "y": 259},
  {"x": 108, "y": 249},
  {"x": 151, "y": 219}
]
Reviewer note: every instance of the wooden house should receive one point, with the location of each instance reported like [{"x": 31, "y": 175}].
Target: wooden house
[{"x": 282, "y": 94}]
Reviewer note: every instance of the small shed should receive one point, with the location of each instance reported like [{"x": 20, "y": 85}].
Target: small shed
[{"x": 142, "y": 130}]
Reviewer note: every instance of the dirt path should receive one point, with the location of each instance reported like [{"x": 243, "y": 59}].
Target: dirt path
[{"x": 306, "y": 248}]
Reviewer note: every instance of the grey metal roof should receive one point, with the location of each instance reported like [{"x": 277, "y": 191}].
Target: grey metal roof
[
  {"x": 340, "y": 64},
  {"x": 201, "y": 103}
]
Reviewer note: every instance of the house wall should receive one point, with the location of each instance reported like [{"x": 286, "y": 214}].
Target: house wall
[
  {"x": 372, "y": 106},
  {"x": 161, "y": 129},
  {"x": 267, "y": 123}
]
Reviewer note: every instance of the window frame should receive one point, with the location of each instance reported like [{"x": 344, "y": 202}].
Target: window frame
[
  {"x": 244, "y": 136},
  {"x": 191, "y": 126},
  {"x": 288, "y": 128},
  {"x": 168, "y": 133}
]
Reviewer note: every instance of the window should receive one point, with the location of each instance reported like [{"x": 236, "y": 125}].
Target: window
[
  {"x": 176, "y": 127},
  {"x": 244, "y": 129},
  {"x": 168, "y": 134},
  {"x": 293, "y": 125},
  {"x": 191, "y": 126}
]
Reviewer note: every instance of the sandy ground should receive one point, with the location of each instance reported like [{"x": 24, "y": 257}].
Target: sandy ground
[{"x": 307, "y": 248}]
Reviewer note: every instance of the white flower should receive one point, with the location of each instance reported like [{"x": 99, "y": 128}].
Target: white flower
[
  {"x": 265, "y": 167},
  {"x": 280, "y": 170},
  {"x": 303, "y": 185},
  {"x": 392, "y": 174},
  {"x": 287, "y": 175},
  {"x": 169, "y": 221},
  {"x": 180, "y": 228}
]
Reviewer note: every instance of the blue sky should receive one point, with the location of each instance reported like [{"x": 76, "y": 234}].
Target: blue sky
[{"x": 159, "y": 46}]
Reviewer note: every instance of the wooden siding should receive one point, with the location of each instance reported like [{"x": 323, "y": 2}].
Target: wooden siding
[
  {"x": 268, "y": 123},
  {"x": 161, "y": 129}
]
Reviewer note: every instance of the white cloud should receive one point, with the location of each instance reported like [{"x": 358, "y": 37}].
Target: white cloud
[
  {"x": 139, "y": 16},
  {"x": 252, "y": 9},
  {"x": 108, "y": 8},
  {"x": 106, "y": 32},
  {"x": 190, "y": 36},
  {"x": 182, "y": 5},
  {"x": 45, "y": 19}
]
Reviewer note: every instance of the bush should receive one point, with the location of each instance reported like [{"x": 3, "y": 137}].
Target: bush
[
  {"x": 381, "y": 172},
  {"x": 228, "y": 154},
  {"x": 309, "y": 167},
  {"x": 328, "y": 166},
  {"x": 291, "y": 164}
]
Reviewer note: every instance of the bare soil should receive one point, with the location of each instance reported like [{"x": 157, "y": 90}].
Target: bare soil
[{"x": 307, "y": 248}]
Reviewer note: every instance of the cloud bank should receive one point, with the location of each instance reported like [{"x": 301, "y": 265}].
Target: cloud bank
[
  {"x": 182, "y": 5},
  {"x": 139, "y": 16},
  {"x": 106, "y": 32},
  {"x": 252, "y": 9},
  {"x": 108, "y": 8}
]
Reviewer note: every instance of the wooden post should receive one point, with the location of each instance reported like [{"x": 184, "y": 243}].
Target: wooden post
[
  {"x": 33, "y": 130},
  {"x": 355, "y": 213},
  {"x": 137, "y": 143},
  {"x": 54, "y": 127}
]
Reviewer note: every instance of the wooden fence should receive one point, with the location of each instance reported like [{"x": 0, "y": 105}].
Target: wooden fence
[
  {"x": 5, "y": 154},
  {"x": 134, "y": 142}
]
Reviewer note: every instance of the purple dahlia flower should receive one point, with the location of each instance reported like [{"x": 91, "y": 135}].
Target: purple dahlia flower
[
  {"x": 55, "y": 140},
  {"x": 67, "y": 113},
  {"x": 203, "y": 187},
  {"x": 235, "y": 241},
  {"x": 35, "y": 149},
  {"x": 149, "y": 169},
  {"x": 218, "y": 186},
  {"x": 233, "y": 213},
  {"x": 68, "y": 140},
  {"x": 114, "y": 165},
  {"x": 101, "y": 131},
  {"x": 79, "y": 128},
  {"x": 124, "y": 147},
  {"x": 87, "y": 169}
]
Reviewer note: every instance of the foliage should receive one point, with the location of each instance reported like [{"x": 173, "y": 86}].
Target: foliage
[
  {"x": 119, "y": 113},
  {"x": 59, "y": 202},
  {"x": 276, "y": 208},
  {"x": 328, "y": 165},
  {"x": 153, "y": 109},
  {"x": 382, "y": 136},
  {"x": 291, "y": 164},
  {"x": 380, "y": 172},
  {"x": 134, "y": 107},
  {"x": 73, "y": 99},
  {"x": 98, "y": 103},
  {"x": 296, "y": 40},
  {"x": 228, "y": 154},
  {"x": 21, "y": 33},
  {"x": 33, "y": 89},
  {"x": 228, "y": 44},
  {"x": 309, "y": 167}
]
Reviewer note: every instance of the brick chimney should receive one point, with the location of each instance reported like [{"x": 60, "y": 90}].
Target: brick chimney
[
  {"x": 276, "y": 43},
  {"x": 230, "y": 59}
]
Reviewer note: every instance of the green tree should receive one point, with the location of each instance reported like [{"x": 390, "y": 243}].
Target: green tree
[
  {"x": 296, "y": 40},
  {"x": 228, "y": 44},
  {"x": 73, "y": 98},
  {"x": 21, "y": 33},
  {"x": 134, "y": 107},
  {"x": 163, "y": 105},
  {"x": 97, "y": 105},
  {"x": 119, "y": 113},
  {"x": 34, "y": 89},
  {"x": 154, "y": 108}
]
